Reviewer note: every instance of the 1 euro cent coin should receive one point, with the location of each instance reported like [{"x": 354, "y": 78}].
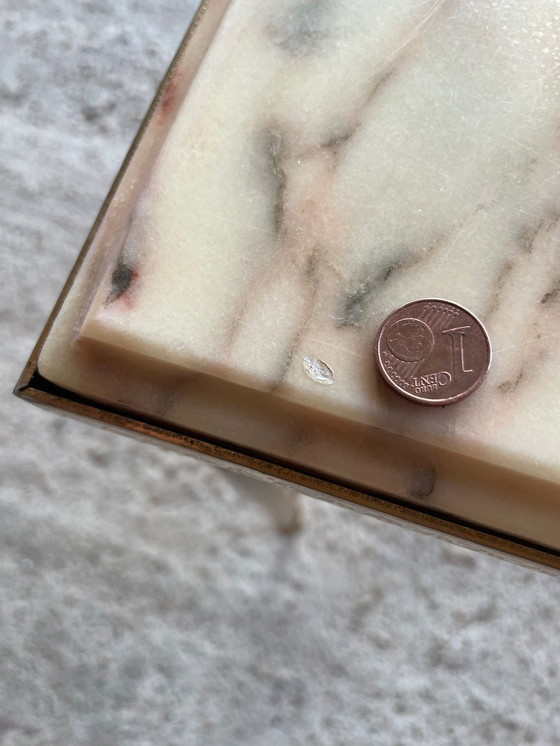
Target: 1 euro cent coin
[{"x": 433, "y": 351}]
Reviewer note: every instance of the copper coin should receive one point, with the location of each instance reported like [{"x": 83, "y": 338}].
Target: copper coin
[{"x": 433, "y": 351}]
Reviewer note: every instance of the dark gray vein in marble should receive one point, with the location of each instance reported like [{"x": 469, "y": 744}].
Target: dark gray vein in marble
[
  {"x": 553, "y": 294},
  {"x": 499, "y": 284},
  {"x": 529, "y": 233},
  {"x": 356, "y": 302},
  {"x": 124, "y": 271},
  {"x": 509, "y": 386},
  {"x": 274, "y": 151},
  {"x": 423, "y": 482},
  {"x": 121, "y": 281},
  {"x": 527, "y": 239},
  {"x": 336, "y": 142},
  {"x": 302, "y": 30}
]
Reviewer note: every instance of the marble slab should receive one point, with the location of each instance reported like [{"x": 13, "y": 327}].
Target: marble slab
[{"x": 326, "y": 163}]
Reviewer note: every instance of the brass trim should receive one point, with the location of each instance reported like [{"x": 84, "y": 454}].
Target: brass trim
[{"x": 41, "y": 392}]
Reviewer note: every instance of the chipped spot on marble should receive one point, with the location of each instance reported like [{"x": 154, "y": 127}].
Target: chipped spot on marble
[{"x": 318, "y": 370}]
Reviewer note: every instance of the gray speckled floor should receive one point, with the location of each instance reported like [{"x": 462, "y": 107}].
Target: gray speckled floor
[{"x": 142, "y": 599}]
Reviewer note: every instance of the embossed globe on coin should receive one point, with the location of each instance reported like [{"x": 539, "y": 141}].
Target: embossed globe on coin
[
  {"x": 410, "y": 340},
  {"x": 433, "y": 351}
]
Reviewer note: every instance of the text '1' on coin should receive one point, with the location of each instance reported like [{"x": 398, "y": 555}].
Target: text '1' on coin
[{"x": 433, "y": 351}]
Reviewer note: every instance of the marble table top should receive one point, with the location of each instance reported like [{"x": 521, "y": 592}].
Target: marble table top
[{"x": 331, "y": 162}]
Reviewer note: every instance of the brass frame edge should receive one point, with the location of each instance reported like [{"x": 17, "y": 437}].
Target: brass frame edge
[{"x": 41, "y": 392}]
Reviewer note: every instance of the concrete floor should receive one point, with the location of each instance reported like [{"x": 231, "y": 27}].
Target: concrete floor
[{"x": 143, "y": 600}]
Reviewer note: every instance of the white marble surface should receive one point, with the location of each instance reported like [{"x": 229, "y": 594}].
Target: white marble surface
[
  {"x": 332, "y": 162},
  {"x": 145, "y": 601}
]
